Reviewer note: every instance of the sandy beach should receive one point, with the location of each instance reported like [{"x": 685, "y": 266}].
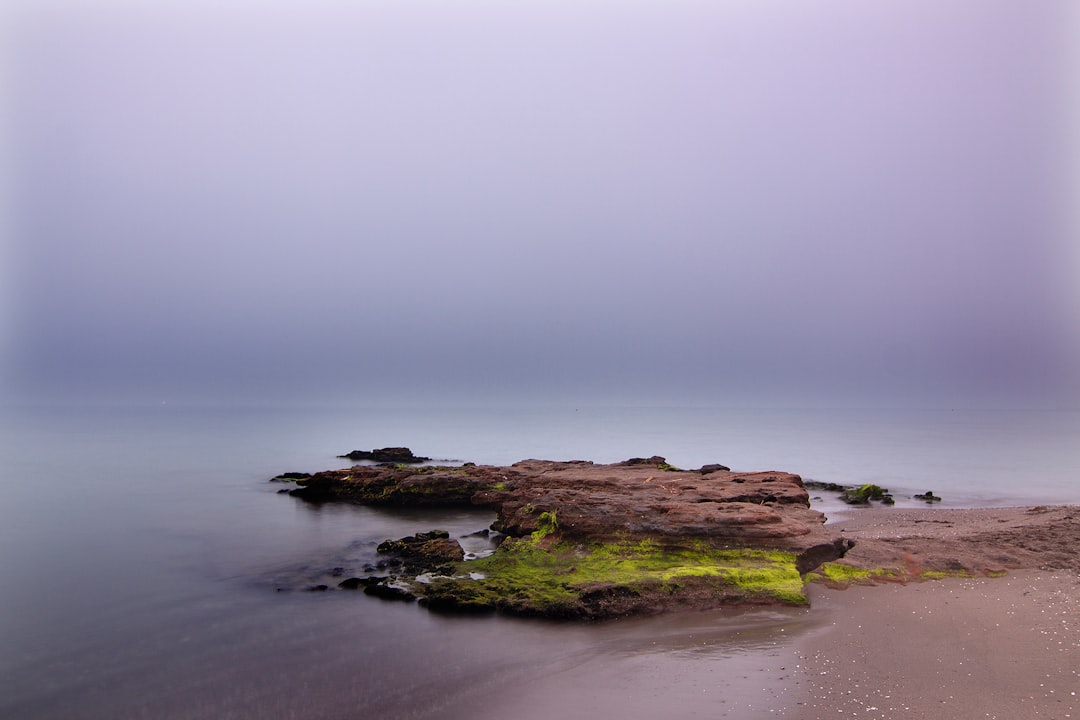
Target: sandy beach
[
  {"x": 1004, "y": 647},
  {"x": 975, "y": 647}
]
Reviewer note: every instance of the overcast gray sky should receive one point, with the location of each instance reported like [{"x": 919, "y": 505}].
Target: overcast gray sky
[{"x": 735, "y": 201}]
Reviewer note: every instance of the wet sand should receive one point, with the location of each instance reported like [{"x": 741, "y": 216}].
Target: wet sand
[
  {"x": 737, "y": 664},
  {"x": 957, "y": 648},
  {"x": 981, "y": 647}
]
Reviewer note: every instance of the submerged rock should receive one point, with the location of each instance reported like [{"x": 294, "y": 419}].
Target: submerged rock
[
  {"x": 290, "y": 477},
  {"x": 355, "y": 583},
  {"x": 389, "y": 592}
]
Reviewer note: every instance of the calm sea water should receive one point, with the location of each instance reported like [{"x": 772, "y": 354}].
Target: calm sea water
[{"x": 149, "y": 570}]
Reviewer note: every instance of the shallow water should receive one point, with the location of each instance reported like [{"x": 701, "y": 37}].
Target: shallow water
[{"x": 150, "y": 570}]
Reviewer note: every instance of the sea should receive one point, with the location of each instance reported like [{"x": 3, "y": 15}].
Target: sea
[{"x": 149, "y": 569}]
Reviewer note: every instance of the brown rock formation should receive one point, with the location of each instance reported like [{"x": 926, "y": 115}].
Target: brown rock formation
[{"x": 640, "y": 498}]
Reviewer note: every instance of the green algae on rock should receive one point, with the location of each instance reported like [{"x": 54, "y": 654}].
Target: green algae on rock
[{"x": 597, "y": 580}]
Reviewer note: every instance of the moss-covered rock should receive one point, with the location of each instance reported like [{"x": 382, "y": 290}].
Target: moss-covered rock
[
  {"x": 537, "y": 577},
  {"x": 593, "y": 541},
  {"x": 863, "y": 494}
]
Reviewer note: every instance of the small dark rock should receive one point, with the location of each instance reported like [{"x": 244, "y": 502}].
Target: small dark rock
[
  {"x": 290, "y": 476},
  {"x": 418, "y": 548},
  {"x": 928, "y": 497},
  {"x": 392, "y": 455},
  {"x": 389, "y": 592},
  {"x": 706, "y": 469},
  {"x": 863, "y": 494},
  {"x": 829, "y": 486},
  {"x": 654, "y": 460},
  {"x": 354, "y": 583},
  {"x": 318, "y": 588},
  {"x": 814, "y": 556}
]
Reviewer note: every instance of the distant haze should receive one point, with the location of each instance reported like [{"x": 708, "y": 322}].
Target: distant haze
[{"x": 711, "y": 202}]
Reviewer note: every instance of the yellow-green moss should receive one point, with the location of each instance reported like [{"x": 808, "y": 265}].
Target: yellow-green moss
[
  {"x": 843, "y": 574},
  {"x": 835, "y": 573},
  {"x": 538, "y": 577},
  {"x": 839, "y": 572},
  {"x": 942, "y": 574}
]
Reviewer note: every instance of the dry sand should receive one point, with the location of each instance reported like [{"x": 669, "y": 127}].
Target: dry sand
[{"x": 978, "y": 647}]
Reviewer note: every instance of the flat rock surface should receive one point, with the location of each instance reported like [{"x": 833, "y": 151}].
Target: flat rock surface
[
  {"x": 637, "y": 498},
  {"x": 979, "y": 541}
]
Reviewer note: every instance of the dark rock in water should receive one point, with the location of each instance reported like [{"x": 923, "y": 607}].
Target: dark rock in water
[
  {"x": 430, "y": 548},
  {"x": 829, "y": 486},
  {"x": 392, "y": 455},
  {"x": 863, "y": 494},
  {"x": 290, "y": 477},
  {"x": 389, "y": 592},
  {"x": 480, "y": 533},
  {"x": 929, "y": 497},
  {"x": 388, "y": 563},
  {"x": 355, "y": 583},
  {"x": 706, "y": 469},
  {"x": 853, "y": 494},
  {"x": 318, "y": 588},
  {"x": 654, "y": 460},
  {"x": 400, "y": 485}
]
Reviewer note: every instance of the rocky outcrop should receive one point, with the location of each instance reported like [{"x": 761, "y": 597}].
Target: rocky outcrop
[
  {"x": 591, "y": 541},
  {"x": 424, "y": 550},
  {"x": 386, "y": 455}
]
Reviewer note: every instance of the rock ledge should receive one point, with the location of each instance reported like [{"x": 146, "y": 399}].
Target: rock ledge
[{"x": 588, "y": 541}]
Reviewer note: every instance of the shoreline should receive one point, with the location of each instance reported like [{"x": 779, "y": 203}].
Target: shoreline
[
  {"x": 955, "y": 648},
  {"x": 958, "y": 647}
]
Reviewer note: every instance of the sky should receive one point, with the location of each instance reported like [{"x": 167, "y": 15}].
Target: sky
[{"x": 725, "y": 202}]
